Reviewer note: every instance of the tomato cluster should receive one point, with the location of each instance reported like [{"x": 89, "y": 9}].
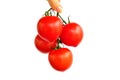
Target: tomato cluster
[{"x": 53, "y": 31}]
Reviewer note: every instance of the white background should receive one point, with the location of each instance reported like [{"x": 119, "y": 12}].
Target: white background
[{"x": 96, "y": 58}]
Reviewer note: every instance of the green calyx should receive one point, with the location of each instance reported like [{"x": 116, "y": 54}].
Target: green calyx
[{"x": 51, "y": 12}]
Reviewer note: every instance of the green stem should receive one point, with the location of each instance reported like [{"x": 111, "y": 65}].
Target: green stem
[
  {"x": 61, "y": 18},
  {"x": 47, "y": 12},
  {"x": 57, "y": 14},
  {"x": 68, "y": 19},
  {"x": 58, "y": 44},
  {"x": 50, "y": 9}
]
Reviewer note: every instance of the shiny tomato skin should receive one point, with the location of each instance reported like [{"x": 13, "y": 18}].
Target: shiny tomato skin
[
  {"x": 44, "y": 46},
  {"x": 60, "y": 59},
  {"x": 50, "y": 28},
  {"x": 72, "y": 34}
]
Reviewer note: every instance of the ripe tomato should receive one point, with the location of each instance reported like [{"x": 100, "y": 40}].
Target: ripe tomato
[
  {"x": 44, "y": 46},
  {"x": 50, "y": 28},
  {"x": 60, "y": 59},
  {"x": 72, "y": 34}
]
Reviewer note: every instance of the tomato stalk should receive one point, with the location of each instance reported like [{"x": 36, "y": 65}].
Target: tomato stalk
[
  {"x": 49, "y": 13},
  {"x": 61, "y": 18},
  {"x": 68, "y": 19},
  {"x": 59, "y": 43}
]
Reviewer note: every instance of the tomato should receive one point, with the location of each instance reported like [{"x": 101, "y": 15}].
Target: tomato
[
  {"x": 50, "y": 28},
  {"x": 60, "y": 59},
  {"x": 72, "y": 34},
  {"x": 44, "y": 46}
]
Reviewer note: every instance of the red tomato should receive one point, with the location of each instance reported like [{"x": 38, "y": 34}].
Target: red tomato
[
  {"x": 50, "y": 28},
  {"x": 60, "y": 59},
  {"x": 44, "y": 46},
  {"x": 72, "y": 34}
]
